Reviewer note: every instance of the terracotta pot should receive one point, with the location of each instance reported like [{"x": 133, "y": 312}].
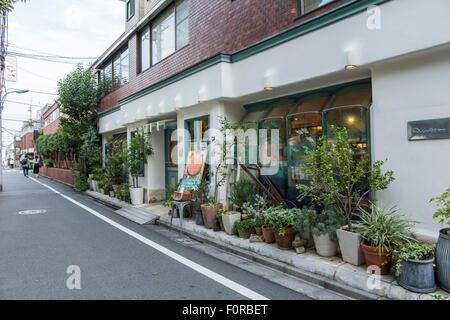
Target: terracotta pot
[
  {"x": 284, "y": 241},
  {"x": 258, "y": 231},
  {"x": 373, "y": 257},
  {"x": 245, "y": 233},
  {"x": 209, "y": 215},
  {"x": 268, "y": 234}
]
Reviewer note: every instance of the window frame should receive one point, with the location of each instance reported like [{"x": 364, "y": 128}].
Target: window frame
[
  {"x": 300, "y": 7},
  {"x": 130, "y": 9}
]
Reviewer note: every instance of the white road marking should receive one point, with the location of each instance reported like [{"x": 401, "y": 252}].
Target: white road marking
[{"x": 194, "y": 266}]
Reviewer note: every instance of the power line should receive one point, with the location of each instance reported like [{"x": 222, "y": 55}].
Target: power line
[
  {"x": 46, "y": 58},
  {"x": 37, "y": 75},
  {"x": 24, "y": 103},
  {"x": 52, "y": 54}
]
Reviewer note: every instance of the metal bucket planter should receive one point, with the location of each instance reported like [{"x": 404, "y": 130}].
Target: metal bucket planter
[
  {"x": 199, "y": 218},
  {"x": 245, "y": 233},
  {"x": 417, "y": 275},
  {"x": 443, "y": 259},
  {"x": 351, "y": 250},
  {"x": 325, "y": 246}
]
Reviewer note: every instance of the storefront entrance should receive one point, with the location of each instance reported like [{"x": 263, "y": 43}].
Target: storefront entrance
[{"x": 171, "y": 166}]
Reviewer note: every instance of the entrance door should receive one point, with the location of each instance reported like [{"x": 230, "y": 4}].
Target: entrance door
[{"x": 171, "y": 166}]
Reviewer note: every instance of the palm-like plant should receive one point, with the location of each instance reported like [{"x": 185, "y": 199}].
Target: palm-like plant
[{"x": 383, "y": 227}]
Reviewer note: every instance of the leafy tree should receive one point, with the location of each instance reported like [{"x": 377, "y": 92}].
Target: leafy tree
[
  {"x": 91, "y": 149},
  {"x": 338, "y": 178},
  {"x": 8, "y": 5},
  {"x": 116, "y": 164}
]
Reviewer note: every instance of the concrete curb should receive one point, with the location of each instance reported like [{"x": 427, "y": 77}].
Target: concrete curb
[{"x": 331, "y": 273}]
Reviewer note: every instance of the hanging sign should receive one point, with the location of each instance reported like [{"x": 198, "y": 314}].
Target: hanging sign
[{"x": 11, "y": 68}]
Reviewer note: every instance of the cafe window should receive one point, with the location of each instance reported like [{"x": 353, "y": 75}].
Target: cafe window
[
  {"x": 350, "y": 109},
  {"x": 306, "y": 6}
]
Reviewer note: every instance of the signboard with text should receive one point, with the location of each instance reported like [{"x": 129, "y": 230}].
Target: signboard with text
[{"x": 429, "y": 129}]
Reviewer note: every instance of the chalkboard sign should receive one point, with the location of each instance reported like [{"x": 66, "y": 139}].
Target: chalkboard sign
[{"x": 429, "y": 129}]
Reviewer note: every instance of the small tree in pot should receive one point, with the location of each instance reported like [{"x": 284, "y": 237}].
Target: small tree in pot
[
  {"x": 339, "y": 178},
  {"x": 138, "y": 151}
]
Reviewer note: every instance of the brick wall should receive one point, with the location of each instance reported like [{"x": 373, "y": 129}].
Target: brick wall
[
  {"x": 215, "y": 26},
  {"x": 27, "y": 141},
  {"x": 63, "y": 175},
  {"x": 54, "y": 125}
]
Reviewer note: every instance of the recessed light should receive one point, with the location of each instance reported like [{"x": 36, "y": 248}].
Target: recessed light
[
  {"x": 350, "y": 67},
  {"x": 268, "y": 88}
]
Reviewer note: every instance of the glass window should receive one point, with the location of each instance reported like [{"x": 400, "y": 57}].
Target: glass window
[
  {"x": 130, "y": 9},
  {"x": 116, "y": 71},
  {"x": 350, "y": 109},
  {"x": 182, "y": 27},
  {"x": 306, "y": 6},
  {"x": 163, "y": 36},
  {"x": 108, "y": 78},
  {"x": 124, "y": 67},
  {"x": 145, "y": 49}
]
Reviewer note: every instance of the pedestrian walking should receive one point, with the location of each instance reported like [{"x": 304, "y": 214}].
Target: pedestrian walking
[
  {"x": 36, "y": 165},
  {"x": 11, "y": 163},
  {"x": 25, "y": 165}
]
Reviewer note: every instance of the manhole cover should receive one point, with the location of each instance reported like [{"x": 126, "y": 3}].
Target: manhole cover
[{"x": 28, "y": 212}]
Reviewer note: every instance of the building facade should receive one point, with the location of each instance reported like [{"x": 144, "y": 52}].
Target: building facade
[
  {"x": 50, "y": 118},
  {"x": 374, "y": 66}
]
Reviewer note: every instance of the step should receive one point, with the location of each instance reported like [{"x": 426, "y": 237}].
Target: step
[{"x": 138, "y": 216}]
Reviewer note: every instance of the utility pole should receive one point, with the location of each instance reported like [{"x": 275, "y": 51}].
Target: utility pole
[{"x": 3, "y": 32}]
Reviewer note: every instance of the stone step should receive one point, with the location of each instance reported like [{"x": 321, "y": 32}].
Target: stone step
[{"x": 137, "y": 215}]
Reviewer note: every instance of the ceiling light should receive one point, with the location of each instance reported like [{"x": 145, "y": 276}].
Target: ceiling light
[{"x": 268, "y": 88}]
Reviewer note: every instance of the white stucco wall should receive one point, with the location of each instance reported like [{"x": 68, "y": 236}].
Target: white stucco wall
[{"x": 409, "y": 90}]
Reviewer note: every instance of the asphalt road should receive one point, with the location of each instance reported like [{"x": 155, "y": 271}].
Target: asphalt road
[{"x": 36, "y": 251}]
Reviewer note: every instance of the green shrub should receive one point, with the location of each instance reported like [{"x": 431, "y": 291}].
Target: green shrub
[
  {"x": 443, "y": 212},
  {"x": 383, "y": 228},
  {"x": 244, "y": 224},
  {"x": 80, "y": 181},
  {"x": 48, "y": 163},
  {"x": 242, "y": 191},
  {"x": 410, "y": 250}
]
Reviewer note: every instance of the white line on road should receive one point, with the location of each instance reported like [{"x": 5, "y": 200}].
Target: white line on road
[{"x": 195, "y": 266}]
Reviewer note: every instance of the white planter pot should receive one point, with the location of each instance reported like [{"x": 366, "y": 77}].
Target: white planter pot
[
  {"x": 229, "y": 219},
  {"x": 350, "y": 247},
  {"x": 324, "y": 246},
  {"x": 137, "y": 195},
  {"x": 95, "y": 185}
]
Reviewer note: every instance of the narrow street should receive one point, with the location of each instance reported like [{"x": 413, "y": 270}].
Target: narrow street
[{"x": 37, "y": 249}]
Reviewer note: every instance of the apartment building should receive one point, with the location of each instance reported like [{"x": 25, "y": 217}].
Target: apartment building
[
  {"x": 49, "y": 119},
  {"x": 379, "y": 68}
]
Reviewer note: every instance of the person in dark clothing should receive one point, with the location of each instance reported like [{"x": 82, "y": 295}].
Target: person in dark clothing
[
  {"x": 25, "y": 165},
  {"x": 36, "y": 165}
]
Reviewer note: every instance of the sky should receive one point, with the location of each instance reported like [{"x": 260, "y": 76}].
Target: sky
[{"x": 75, "y": 28}]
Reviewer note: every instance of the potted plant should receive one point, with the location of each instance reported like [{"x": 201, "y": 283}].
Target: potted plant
[
  {"x": 380, "y": 229},
  {"x": 200, "y": 197},
  {"x": 98, "y": 174},
  {"x": 302, "y": 224},
  {"x": 228, "y": 219},
  {"x": 263, "y": 216},
  {"x": 341, "y": 176},
  {"x": 283, "y": 222},
  {"x": 413, "y": 265},
  {"x": 123, "y": 191},
  {"x": 243, "y": 191},
  {"x": 138, "y": 151},
  {"x": 443, "y": 244},
  {"x": 245, "y": 228},
  {"x": 323, "y": 228},
  {"x": 209, "y": 212}
]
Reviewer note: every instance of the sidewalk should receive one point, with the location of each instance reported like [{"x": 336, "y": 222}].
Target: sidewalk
[{"x": 330, "y": 272}]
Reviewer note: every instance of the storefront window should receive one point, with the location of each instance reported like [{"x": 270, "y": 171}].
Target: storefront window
[{"x": 350, "y": 109}]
